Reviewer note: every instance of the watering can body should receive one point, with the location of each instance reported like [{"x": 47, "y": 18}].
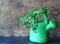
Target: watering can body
[{"x": 40, "y": 35}]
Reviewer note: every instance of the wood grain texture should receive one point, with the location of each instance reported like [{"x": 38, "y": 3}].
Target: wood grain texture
[{"x": 11, "y": 9}]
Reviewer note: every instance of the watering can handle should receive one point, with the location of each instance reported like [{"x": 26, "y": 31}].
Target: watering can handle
[{"x": 44, "y": 12}]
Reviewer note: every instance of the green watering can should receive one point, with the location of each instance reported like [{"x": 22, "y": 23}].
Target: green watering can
[{"x": 39, "y": 29}]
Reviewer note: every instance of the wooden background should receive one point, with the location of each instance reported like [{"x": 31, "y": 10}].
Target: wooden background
[{"x": 11, "y": 9}]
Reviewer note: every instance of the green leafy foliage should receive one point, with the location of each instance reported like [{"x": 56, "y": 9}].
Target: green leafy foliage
[{"x": 33, "y": 17}]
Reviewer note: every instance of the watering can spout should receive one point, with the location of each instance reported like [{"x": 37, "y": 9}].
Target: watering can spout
[{"x": 52, "y": 24}]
